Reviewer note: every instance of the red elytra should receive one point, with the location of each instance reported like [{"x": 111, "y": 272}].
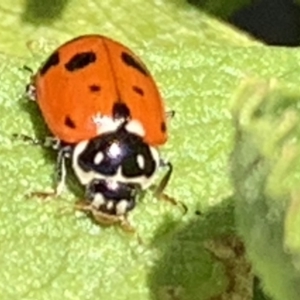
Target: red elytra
[{"x": 87, "y": 77}]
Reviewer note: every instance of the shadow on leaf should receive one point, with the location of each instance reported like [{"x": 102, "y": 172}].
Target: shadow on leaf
[
  {"x": 274, "y": 22},
  {"x": 195, "y": 257},
  {"x": 43, "y": 12}
]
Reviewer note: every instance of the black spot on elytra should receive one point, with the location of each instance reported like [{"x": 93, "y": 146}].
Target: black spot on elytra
[
  {"x": 138, "y": 90},
  {"x": 69, "y": 122},
  {"x": 120, "y": 111},
  {"x": 163, "y": 127},
  {"x": 52, "y": 61},
  {"x": 94, "y": 88},
  {"x": 132, "y": 62},
  {"x": 80, "y": 60}
]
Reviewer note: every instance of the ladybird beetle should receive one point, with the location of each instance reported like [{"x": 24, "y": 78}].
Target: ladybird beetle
[{"x": 106, "y": 115}]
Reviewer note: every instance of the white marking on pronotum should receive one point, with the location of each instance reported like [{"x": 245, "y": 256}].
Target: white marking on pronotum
[
  {"x": 98, "y": 158},
  {"x": 83, "y": 176},
  {"x": 140, "y": 161}
]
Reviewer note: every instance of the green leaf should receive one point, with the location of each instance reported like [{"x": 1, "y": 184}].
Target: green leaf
[
  {"x": 150, "y": 23},
  {"x": 266, "y": 168}
]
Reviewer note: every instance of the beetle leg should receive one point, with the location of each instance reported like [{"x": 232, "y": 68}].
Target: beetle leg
[
  {"x": 60, "y": 173},
  {"x": 159, "y": 191}
]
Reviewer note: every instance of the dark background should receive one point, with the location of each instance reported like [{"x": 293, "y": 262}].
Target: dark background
[{"x": 274, "y": 22}]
